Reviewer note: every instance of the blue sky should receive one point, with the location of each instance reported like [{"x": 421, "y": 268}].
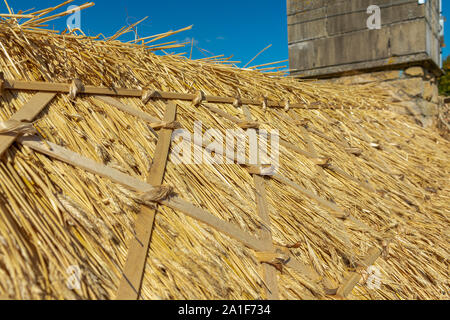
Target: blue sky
[
  {"x": 240, "y": 28},
  {"x": 234, "y": 27},
  {"x": 446, "y": 13}
]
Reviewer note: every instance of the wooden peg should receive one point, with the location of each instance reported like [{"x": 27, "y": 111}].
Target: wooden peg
[
  {"x": 75, "y": 88},
  {"x": 199, "y": 98},
  {"x": 149, "y": 94},
  {"x": 265, "y": 104},
  {"x": 237, "y": 103}
]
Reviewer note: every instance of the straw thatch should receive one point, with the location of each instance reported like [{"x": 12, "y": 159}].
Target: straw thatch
[{"x": 53, "y": 215}]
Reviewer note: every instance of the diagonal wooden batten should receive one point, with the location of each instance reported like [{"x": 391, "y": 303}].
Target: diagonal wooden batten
[
  {"x": 127, "y": 109},
  {"x": 341, "y": 143},
  {"x": 81, "y": 162},
  {"x": 130, "y": 110},
  {"x": 354, "y": 151},
  {"x": 311, "y": 154},
  {"x": 333, "y": 168},
  {"x": 327, "y": 138},
  {"x": 227, "y": 228},
  {"x": 269, "y": 271},
  {"x": 283, "y": 142},
  {"x": 222, "y": 113},
  {"x": 133, "y": 272},
  {"x": 310, "y": 146},
  {"x": 28, "y": 112},
  {"x": 176, "y": 203},
  {"x": 334, "y": 208},
  {"x": 354, "y": 277},
  {"x": 303, "y": 269},
  {"x": 327, "y": 204}
]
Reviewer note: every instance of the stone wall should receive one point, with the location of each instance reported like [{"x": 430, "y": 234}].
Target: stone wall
[
  {"x": 414, "y": 90},
  {"x": 443, "y": 123}
]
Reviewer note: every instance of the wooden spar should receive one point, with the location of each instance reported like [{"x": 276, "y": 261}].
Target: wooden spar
[
  {"x": 176, "y": 203},
  {"x": 334, "y": 208},
  {"x": 269, "y": 271},
  {"x": 136, "y": 93},
  {"x": 28, "y": 113},
  {"x": 325, "y": 137},
  {"x": 310, "y": 154},
  {"x": 222, "y": 113},
  {"x": 81, "y": 162},
  {"x": 133, "y": 272},
  {"x": 227, "y": 228},
  {"x": 310, "y": 145},
  {"x": 353, "y": 278},
  {"x": 313, "y": 155},
  {"x": 127, "y": 109},
  {"x": 236, "y": 120}
]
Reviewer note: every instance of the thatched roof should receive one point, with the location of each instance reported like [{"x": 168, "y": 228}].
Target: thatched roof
[{"x": 385, "y": 191}]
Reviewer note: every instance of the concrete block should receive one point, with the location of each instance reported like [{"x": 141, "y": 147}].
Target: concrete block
[
  {"x": 357, "y": 20},
  {"x": 344, "y": 7},
  {"x": 307, "y": 16},
  {"x": 408, "y": 37},
  {"x": 372, "y": 45},
  {"x": 294, "y": 6},
  {"x": 307, "y": 31},
  {"x": 334, "y": 37}
]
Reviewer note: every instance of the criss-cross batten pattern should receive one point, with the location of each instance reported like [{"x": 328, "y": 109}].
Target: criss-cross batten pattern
[{"x": 357, "y": 207}]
